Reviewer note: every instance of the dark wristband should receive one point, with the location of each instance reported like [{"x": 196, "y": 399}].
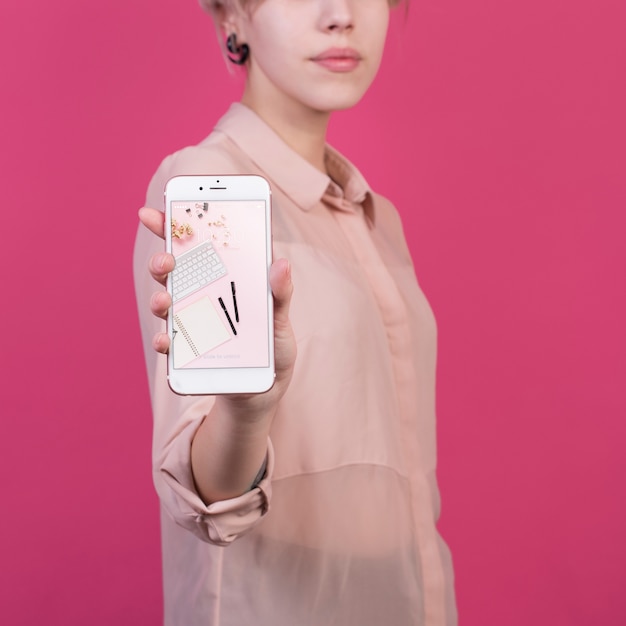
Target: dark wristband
[{"x": 259, "y": 477}]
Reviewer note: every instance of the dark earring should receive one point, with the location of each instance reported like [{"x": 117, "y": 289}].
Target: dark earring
[{"x": 238, "y": 53}]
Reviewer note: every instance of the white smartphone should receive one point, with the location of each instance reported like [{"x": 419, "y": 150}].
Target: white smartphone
[{"x": 220, "y": 324}]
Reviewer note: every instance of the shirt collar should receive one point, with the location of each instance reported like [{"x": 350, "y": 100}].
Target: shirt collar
[{"x": 286, "y": 169}]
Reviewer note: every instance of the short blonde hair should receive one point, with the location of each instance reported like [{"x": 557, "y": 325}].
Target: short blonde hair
[{"x": 214, "y": 7}]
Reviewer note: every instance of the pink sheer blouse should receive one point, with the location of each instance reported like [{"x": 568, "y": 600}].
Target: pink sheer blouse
[{"x": 341, "y": 530}]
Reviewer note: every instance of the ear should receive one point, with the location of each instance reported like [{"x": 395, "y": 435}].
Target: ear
[
  {"x": 232, "y": 17},
  {"x": 227, "y": 17},
  {"x": 229, "y": 26}
]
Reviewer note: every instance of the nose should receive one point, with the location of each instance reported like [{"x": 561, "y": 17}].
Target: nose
[{"x": 336, "y": 15}]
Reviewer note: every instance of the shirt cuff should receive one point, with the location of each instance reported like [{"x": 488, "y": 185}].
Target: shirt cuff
[{"x": 221, "y": 522}]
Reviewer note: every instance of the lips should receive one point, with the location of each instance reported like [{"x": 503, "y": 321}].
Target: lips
[{"x": 338, "y": 59}]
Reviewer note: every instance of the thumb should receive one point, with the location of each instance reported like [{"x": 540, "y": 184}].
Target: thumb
[
  {"x": 284, "y": 341},
  {"x": 153, "y": 220},
  {"x": 282, "y": 288}
]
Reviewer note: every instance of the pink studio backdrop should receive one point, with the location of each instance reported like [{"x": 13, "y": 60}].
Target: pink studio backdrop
[{"x": 498, "y": 130}]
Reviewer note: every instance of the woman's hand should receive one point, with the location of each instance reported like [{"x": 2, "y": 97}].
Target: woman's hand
[
  {"x": 162, "y": 263},
  {"x": 231, "y": 442}
]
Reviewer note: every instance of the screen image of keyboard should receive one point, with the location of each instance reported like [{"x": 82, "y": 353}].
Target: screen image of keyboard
[{"x": 195, "y": 269}]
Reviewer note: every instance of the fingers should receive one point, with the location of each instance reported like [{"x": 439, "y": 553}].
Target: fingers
[
  {"x": 160, "y": 303},
  {"x": 161, "y": 264},
  {"x": 161, "y": 343},
  {"x": 153, "y": 220}
]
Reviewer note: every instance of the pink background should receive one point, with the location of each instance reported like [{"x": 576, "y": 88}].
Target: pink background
[{"x": 497, "y": 128}]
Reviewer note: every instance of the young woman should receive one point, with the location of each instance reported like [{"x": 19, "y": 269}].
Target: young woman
[{"x": 315, "y": 503}]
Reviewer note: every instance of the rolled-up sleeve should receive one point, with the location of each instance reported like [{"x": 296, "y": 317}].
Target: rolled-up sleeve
[{"x": 221, "y": 522}]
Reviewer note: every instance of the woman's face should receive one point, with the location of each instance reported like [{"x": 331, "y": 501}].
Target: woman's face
[{"x": 317, "y": 54}]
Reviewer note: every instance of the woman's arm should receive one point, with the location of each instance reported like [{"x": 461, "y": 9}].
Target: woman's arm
[{"x": 230, "y": 445}]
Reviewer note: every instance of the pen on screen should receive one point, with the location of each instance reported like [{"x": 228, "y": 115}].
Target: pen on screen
[
  {"x": 232, "y": 288},
  {"x": 227, "y": 316}
]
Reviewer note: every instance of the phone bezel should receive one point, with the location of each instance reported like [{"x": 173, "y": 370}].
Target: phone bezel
[{"x": 213, "y": 380}]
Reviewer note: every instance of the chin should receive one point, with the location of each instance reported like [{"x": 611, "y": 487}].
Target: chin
[{"x": 338, "y": 101}]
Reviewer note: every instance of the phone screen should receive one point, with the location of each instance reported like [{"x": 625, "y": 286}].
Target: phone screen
[{"x": 219, "y": 285}]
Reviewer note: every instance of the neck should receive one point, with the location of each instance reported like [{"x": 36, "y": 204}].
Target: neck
[{"x": 302, "y": 129}]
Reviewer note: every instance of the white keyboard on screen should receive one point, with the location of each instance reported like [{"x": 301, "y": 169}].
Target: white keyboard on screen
[{"x": 195, "y": 269}]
